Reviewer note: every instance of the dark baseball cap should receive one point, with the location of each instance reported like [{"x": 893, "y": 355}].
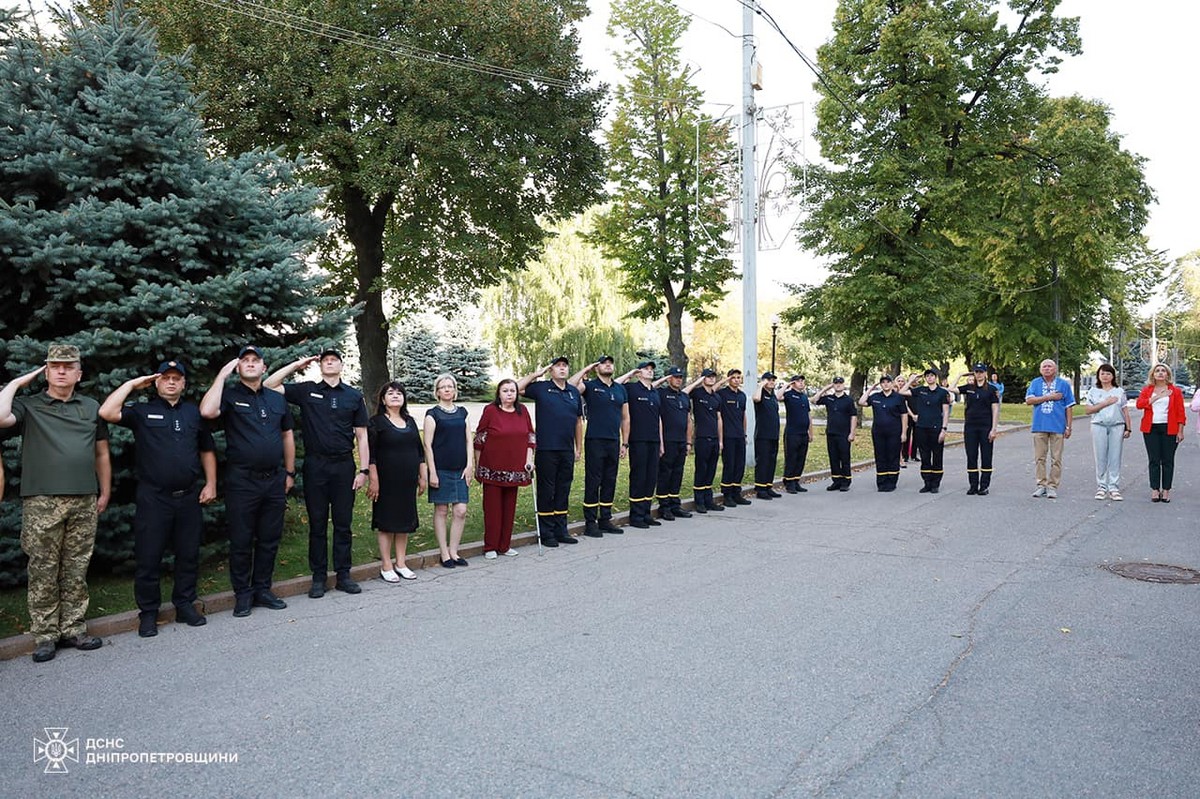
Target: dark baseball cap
[
  {"x": 330, "y": 351},
  {"x": 794, "y": 378},
  {"x": 708, "y": 373},
  {"x": 561, "y": 359},
  {"x": 605, "y": 359},
  {"x": 733, "y": 372},
  {"x": 250, "y": 349},
  {"x": 674, "y": 371},
  {"x": 885, "y": 379},
  {"x": 839, "y": 379},
  {"x": 979, "y": 367},
  {"x": 767, "y": 376},
  {"x": 167, "y": 366},
  {"x": 931, "y": 371},
  {"x": 644, "y": 364}
]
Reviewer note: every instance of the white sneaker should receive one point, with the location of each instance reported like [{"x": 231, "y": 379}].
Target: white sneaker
[
  {"x": 510, "y": 553},
  {"x": 1115, "y": 496},
  {"x": 407, "y": 573},
  {"x": 1101, "y": 494},
  {"x": 1051, "y": 493},
  {"x": 489, "y": 555},
  {"x": 1040, "y": 491},
  {"x": 389, "y": 576}
]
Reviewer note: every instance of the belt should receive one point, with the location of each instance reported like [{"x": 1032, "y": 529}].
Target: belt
[
  {"x": 258, "y": 474},
  {"x": 341, "y": 456},
  {"x": 172, "y": 493}
]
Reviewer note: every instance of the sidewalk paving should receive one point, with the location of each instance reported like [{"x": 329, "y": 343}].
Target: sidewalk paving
[{"x": 858, "y": 644}]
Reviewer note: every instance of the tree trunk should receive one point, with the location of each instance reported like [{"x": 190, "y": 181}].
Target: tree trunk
[
  {"x": 364, "y": 227},
  {"x": 675, "y": 346}
]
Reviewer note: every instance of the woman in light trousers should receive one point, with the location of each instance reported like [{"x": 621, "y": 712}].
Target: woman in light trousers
[{"x": 1110, "y": 427}]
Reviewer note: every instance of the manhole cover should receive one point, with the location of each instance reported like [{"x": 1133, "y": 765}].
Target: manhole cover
[{"x": 1155, "y": 572}]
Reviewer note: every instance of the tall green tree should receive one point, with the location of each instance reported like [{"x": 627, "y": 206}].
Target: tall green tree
[
  {"x": 120, "y": 234},
  {"x": 672, "y": 174},
  {"x": 1060, "y": 255},
  {"x": 564, "y": 302},
  {"x": 444, "y": 131},
  {"x": 921, "y": 106}
]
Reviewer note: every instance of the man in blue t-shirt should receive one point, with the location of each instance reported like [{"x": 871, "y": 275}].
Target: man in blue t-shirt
[
  {"x": 604, "y": 443},
  {"x": 1051, "y": 398}
]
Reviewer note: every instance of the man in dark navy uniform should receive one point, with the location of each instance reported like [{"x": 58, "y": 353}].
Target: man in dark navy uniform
[
  {"x": 675, "y": 409},
  {"x": 174, "y": 450},
  {"x": 333, "y": 418},
  {"x": 559, "y": 412},
  {"x": 797, "y": 433},
  {"x": 888, "y": 409},
  {"x": 604, "y": 443},
  {"x": 841, "y": 422},
  {"x": 645, "y": 443},
  {"x": 261, "y": 457},
  {"x": 733, "y": 448},
  {"x": 981, "y": 419},
  {"x": 766, "y": 437},
  {"x": 707, "y": 429},
  {"x": 931, "y": 403}
]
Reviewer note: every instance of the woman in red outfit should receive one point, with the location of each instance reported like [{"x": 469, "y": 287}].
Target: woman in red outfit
[
  {"x": 1163, "y": 418},
  {"x": 504, "y": 444}
]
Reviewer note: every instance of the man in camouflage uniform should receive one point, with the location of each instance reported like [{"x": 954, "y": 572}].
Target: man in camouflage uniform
[{"x": 66, "y": 478}]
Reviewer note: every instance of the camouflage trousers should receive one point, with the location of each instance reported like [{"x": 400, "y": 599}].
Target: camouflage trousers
[{"x": 58, "y": 534}]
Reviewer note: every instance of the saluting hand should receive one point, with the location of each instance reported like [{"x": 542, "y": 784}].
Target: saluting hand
[
  {"x": 228, "y": 368},
  {"x": 29, "y": 377},
  {"x": 138, "y": 383}
]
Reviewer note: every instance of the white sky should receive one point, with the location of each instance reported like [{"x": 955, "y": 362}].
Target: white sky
[{"x": 1137, "y": 58}]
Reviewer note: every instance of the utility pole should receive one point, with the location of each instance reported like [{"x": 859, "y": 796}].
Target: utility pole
[{"x": 749, "y": 219}]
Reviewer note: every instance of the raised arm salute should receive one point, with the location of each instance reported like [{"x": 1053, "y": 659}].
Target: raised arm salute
[
  {"x": 261, "y": 456},
  {"x": 604, "y": 444},
  {"x": 888, "y": 409},
  {"x": 981, "y": 418},
  {"x": 559, "y": 422}
]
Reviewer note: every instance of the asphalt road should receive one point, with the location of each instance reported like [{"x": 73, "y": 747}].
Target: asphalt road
[{"x": 837, "y": 645}]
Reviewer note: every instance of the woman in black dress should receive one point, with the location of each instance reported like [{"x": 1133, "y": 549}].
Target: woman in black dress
[{"x": 397, "y": 476}]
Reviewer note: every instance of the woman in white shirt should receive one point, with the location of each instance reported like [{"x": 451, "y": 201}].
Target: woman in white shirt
[{"x": 1110, "y": 427}]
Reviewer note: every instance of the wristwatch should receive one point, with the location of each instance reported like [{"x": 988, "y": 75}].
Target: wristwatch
[{"x": 364, "y": 471}]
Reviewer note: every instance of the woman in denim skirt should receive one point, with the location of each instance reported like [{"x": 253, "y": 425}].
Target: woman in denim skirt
[{"x": 448, "y": 459}]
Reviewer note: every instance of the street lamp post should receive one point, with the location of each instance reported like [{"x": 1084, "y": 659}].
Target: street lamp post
[{"x": 774, "y": 331}]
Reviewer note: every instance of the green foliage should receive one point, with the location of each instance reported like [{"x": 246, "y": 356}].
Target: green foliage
[
  {"x": 438, "y": 177},
  {"x": 420, "y": 355},
  {"x": 671, "y": 172},
  {"x": 416, "y": 363},
  {"x": 927, "y": 107},
  {"x": 120, "y": 234},
  {"x": 563, "y": 302}
]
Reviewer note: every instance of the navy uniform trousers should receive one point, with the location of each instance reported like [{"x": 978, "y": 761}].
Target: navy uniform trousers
[
  {"x": 643, "y": 477},
  {"x": 670, "y": 474},
  {"x": 166, "y": 517},
  {"x": 601, "y": 457},
  {"x": 555, "y": 470},
  {"x": 708, "y": 453},
  {"x": 254, "y": 505},
  {"x": 733, "y": 466}
]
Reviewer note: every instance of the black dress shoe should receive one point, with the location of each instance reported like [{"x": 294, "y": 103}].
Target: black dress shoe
[
  {"x": 666, "y": 514},
  {"x": 933, "y": 489},
  {"x": 654, "y": 522},
  {"x": 640, "y": 525},
  {"x": 265, "y": 599},
  {"x": 241, "y": 606},
  {"x": 740, "y": 500},
  {"x": 566, "y": 539},
  {"x": 832, "y": 487},
  {"x": 607, "y": 526},
  {"x": 972, "y": 491},
  {"x": 774, "y": 493},
  {"x": 317, "y": 589},
  {"x": 801, "y": 490},
  {"x": 715, "y": 507},
  {"x": 44, "y": 651},
  {"x": 348, "y": 586},
  {"x": 461, "y": 562},
  {"x": 546, "y": 542},
  {"x": 983, "y": 492},
  {"x": 844, "y": 488},
  {"x": 449, "y": 563},
  {"x": 763, "y": 495},
  {"x": 679, "y": 513},
  {"x": 924, "y": 490},
  {"x": 700, "y": 508},
  {"x": 147, "y": 625},
  {"x": 593, "y": 532},
  {"x": 190, "y": 616},
  {"x": 791, "y": 489}
]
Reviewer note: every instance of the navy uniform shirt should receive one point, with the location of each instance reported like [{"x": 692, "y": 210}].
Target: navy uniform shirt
[
  {"x": 328, "y": 416},
  {"x": 254, "y": 425},
  {"x": 766, "y": 416},
  {"x": 168, "y": 442},
  {"x": 927, "y": 405},
  {"x": 558, "y": 412},
  {"x": 979, "y": 401},
  {"x": 887, "y": 410},
  {"x": 644, "y": 412},
  {"x": 674, "y": 407},
  {"x": 733, "y": 412},
  {"x": 706, "y": 409},
  {"x": 798, "y": 415},
  {"x": 838, "y": 413},
  {"x": 604, "y": 403}
]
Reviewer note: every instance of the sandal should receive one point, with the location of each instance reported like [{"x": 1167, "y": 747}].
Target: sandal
[
  {"x": 389, "y": 576},
  {"x": 1155, "y": 497}
]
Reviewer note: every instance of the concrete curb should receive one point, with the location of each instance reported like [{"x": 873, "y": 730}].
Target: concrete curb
[{"x": 19, "y": 645}]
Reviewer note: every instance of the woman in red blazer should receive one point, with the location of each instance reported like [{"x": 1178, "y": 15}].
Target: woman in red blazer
[{"x": 1163, "y": 418}]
